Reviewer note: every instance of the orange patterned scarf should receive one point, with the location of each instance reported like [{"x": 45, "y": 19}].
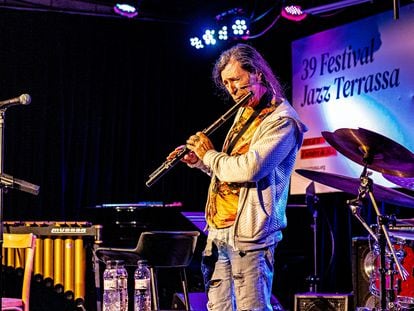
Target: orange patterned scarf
[{"x": 224, "y": 196}]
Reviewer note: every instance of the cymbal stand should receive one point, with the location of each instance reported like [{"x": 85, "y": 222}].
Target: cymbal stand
[
  {"x": 355, "y": 206},
  {"x": 383, "y": 238},
  {"x": 311, "y": 202}
]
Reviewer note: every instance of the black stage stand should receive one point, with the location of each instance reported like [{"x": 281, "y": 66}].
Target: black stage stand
[
  {"x": 7, "y": 181},
  {"x": 311, "y": 203}
]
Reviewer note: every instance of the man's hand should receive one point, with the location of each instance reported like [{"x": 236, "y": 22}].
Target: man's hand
[{"x": 199, "y": 144}]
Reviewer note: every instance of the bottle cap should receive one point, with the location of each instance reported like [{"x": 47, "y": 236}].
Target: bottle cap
[
  {"x": 116, "y": 262},
  {"x": 142, "y": 261}
]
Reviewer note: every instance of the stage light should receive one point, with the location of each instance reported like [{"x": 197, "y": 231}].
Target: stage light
[
  {"x": 293, "y": 13},
  {"x": 227, "y": 25},
  {"x": 232, "y": 25},
  {"x": 209, "y": 37},
  {"x": 223, "y": 33},
  {"x": 197, "y": 43},
  {"x": 240, "y": 27},
  {"x": 126, "y": 9}
]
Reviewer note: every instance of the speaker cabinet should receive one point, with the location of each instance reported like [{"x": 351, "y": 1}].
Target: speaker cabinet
[
  {"x": 363, "y": 265},
  {"x": 322, "y": 302}
]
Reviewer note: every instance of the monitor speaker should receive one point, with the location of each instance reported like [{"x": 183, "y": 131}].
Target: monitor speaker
[
  {"x": 322, "y": 302},
  {"x": 363, "y": 265}
]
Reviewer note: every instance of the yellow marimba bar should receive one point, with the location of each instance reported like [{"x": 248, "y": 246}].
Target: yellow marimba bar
[{"x": 60, "y": 255}]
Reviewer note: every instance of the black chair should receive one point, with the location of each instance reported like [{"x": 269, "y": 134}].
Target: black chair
[{"x": 162, "y": 249}]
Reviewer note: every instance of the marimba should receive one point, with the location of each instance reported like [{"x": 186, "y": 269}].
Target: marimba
[{"x": 61, "y": 253}]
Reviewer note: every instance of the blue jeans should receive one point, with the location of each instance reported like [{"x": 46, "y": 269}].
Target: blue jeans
[{"x": 236, "y": 280}]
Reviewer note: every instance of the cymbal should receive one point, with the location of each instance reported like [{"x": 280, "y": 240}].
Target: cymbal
[
  {"x": 377, "y": 152},
  {"x": 405, "y": 182},
  {"x": 351, "y": 185}
]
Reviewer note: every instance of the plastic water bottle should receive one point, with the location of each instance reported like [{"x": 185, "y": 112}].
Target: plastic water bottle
[
  {"x": 109, "y": 284},
  {"x": 142, "y": 292},
  {"x": 115, "y": 278},
  {"x": 122, "y": 276}
]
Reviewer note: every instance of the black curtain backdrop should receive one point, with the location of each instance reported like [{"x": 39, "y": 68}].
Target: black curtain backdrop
[{"x": 110, "y": 99}]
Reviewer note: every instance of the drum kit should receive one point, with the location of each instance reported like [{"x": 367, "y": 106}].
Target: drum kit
[{"x": 392, "y": 278}]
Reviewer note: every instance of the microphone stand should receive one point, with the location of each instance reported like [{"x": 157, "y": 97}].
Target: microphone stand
[
  {"x": 311, "y": 200},
  {"x": 7, "y": 181}
]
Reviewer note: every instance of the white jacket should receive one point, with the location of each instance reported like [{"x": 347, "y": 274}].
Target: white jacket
[{"x": 266, "y": 167}]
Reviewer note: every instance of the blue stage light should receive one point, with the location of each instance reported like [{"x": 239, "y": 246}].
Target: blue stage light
[
  {"x": 197, "y": 43},
  {"x": 240, "y": 27},
  {"x": 223, "y": 33},
  {"x": 209, "y": 37},
  {"x": 227, "y": 25}
]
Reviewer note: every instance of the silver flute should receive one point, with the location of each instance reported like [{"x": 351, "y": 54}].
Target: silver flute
[{"x": 169, "y": 164}]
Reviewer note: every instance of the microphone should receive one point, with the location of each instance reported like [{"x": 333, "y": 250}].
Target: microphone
[
  {"x": 23, "y": 99},
  {"x": 8, "y": 181}
]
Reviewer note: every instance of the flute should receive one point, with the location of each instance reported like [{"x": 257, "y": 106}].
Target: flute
[{"x": 169, "y": 164}]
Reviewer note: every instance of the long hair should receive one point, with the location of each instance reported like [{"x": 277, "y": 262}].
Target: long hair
[{"x": 250, "y": 60}]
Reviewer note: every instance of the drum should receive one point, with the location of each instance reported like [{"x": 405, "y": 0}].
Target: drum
[{"x": 399, "y": 291}]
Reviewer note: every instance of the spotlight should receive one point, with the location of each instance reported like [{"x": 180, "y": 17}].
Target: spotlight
[
  {"x": 240, "y": 27},
  {"x": 223, "y": 33},
  {"x": 126, "y": 9},
  {"x": 197, "y": 43},
  {"x": 209, "y": 37},
  {"x": 227, "y": 25},
  {"x": 293, "y": 13}
]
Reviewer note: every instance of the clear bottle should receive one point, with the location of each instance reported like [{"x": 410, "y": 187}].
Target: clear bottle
[
  {"x": 109, "y": 287},
  {"x": 142, "y": 289},
  {"x": 115, "y": 278}
]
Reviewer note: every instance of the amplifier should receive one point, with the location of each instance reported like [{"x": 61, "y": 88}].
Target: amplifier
[{"x": 322, "y": 302}]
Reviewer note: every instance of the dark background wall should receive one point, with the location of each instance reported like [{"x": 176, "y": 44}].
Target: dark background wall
[{"x": 110, "y": 99}]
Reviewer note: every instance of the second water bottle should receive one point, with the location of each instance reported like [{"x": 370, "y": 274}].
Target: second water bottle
[{"x": 142, "y": 289}]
